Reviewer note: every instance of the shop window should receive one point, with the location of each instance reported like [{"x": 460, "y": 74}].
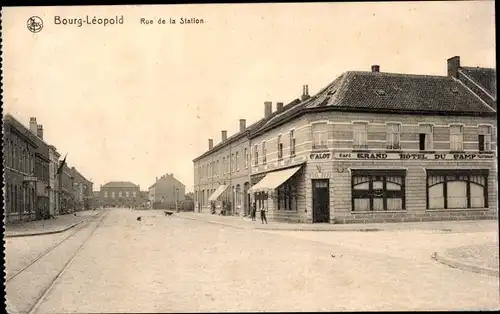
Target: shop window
[
  {"x": 456, "y": 138},
  {"x": 287, "y": 196},
  {"x": 378, "y": 190},
  {"x": 452, "y": 189},
  {"x": 360, "y": 135},
  {"x": 393, "y": 136},
  {"x": 425, "y": 137},
  {"x": 484, "y": 138}
]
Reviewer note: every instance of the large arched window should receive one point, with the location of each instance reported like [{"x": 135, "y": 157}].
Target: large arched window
[
  {"x": 378, "y": 190},
  {"x": 457, "y": 189}
]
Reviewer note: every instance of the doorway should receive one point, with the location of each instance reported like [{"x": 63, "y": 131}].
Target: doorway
[{"x": 321, "y": 200}]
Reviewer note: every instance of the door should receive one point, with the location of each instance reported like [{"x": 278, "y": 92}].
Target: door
[{"x": 321, "y": 200}]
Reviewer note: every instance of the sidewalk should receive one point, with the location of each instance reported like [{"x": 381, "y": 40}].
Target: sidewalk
[
  {"x": 441, "y": 226},
  {"x": 41, "y": 227},
  {"x": 482, "y": 258}
]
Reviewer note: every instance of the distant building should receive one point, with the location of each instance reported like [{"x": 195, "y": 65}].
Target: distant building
[
  {"x": 83, "y": 190},
  {"x": 54, "y": 181},
  {"x": 166, "y": 191},
  {"x": 120, "y": 194},
  {"x": 66, "y": 190}
]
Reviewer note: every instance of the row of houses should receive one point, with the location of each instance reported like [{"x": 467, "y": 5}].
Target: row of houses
[
  {"x": 369, "y": 147},
  {"x": 37, "y": 183}
]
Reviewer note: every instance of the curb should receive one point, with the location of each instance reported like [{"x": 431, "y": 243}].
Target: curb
[
  {"x": 47, "y": 232},
  {"x": 283, "y": 229},
  {"x": 446, "y": 260}
]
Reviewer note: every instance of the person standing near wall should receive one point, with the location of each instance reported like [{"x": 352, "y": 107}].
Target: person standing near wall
[{"x": 263, "y": 210}]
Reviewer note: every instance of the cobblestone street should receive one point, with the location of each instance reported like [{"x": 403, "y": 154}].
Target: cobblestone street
[{"x": 169, "y": 264}]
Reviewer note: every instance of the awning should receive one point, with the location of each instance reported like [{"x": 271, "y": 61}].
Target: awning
[
  {"x": 217, "y": 193},
  {"x": 273, "y": 180}
]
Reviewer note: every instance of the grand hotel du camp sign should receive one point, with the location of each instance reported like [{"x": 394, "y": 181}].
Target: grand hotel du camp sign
[
  {"x": 370, "y": 156},
  {"x": 373, "y": 155}
]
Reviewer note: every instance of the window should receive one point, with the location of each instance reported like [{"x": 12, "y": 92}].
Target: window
[
  {"x": 425, "y": 137},
  {"x": 287, "y": 195},
  {"x": 14, "y": 157},
  {"x": 126, "y": 194},
  {"x": 359, "y": 135},
  {"x": 292, "y": 143},
  {"x": 484, "y": 138},
  {"x": 246, "y": 157},
  {"x": 264, "y": 153},
  {"x": 378, "y": 190},
  {"x": 223, "y": 165},
  {"x": 457, "y": 189},
  {"x": 320, "y": 135},
  {"x": 256, "y": 155},
  {"x": 105, "y": 194},
  {"x": 456, "y": 138},
  {"x": 233, "y": 163},
  {"x": 237, "y": 161},
  {"x": 393, "y": 136},
  {"x": 280, "y": 148},
  {"x": 112, "y": 194}
]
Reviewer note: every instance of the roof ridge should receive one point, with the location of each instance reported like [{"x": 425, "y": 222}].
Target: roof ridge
[{"x": 397, "y": 74}]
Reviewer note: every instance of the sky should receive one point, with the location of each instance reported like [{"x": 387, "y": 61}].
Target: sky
[{"x": 132, "y": 101}]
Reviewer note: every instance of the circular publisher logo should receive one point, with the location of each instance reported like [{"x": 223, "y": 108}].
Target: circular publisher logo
[{"x": 34, "y": 24}]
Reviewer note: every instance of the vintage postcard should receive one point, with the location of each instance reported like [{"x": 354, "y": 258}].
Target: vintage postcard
[{"x": 264, "y": 157}]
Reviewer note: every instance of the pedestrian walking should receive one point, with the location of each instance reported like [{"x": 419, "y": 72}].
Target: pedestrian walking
[
  {"x": 263, "y": 210},
  {"x": 253, "y": 214}
]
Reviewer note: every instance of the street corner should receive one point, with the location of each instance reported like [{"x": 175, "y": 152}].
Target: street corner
[{"x": 478, "y": 258}]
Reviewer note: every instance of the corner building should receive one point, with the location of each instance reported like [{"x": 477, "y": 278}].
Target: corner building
[
  {"x": 382, "y": 147},
  {"x": 222, "y": 174}
]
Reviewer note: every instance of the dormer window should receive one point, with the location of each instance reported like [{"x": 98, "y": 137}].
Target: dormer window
[{"x": 380, "y": 92}]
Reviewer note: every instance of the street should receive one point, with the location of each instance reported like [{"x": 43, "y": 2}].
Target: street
[{"x": 171, "y": 264}]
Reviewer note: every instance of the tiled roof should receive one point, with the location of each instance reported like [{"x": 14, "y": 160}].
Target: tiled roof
[
  {"x": 388, "y": 91},
  {"x": 485, "y": 77},
  {"x": 255, "y": 126},
  {"x": 119, "y": 184},
  {"x": 375, "y": 90}
]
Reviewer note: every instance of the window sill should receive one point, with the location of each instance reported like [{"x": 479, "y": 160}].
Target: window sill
[
  {"x": 456, "y": 210},
  {"x": 379, "y": 211},
  {"x": 320, "y": 147}
]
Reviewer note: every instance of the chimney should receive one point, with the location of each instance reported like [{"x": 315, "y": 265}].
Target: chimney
[
  {"x": 453, "y": 66},
  {"x": 243, "y": 125},
  {"x": 375, "y": 68},
  {"x": 268, "y": 109},
  {"x": 279, "y": 106},
  {"x": 39, "y": 131},
  {"x": 305, "y": 92},
  {"x": 210, "y": 144},
  {"x": 33, "y": 125},
  {"x": 223, "y": 135}
]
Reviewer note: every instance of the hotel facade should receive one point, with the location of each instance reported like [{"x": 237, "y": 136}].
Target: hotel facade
[{"x": 381, "y": 147}]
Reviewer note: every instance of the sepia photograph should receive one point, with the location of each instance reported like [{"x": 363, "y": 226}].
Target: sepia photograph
[{"x": 250, "y": 157}]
